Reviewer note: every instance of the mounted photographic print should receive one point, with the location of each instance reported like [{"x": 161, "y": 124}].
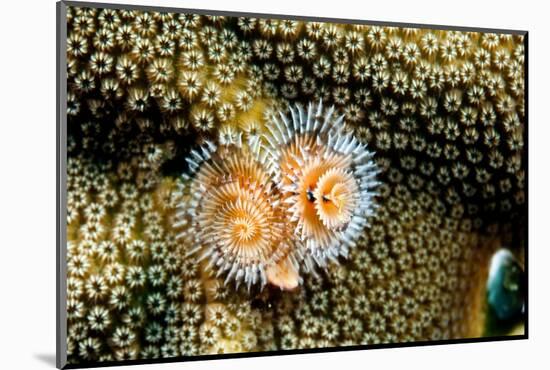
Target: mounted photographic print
[{"x": 251, "y": 184}]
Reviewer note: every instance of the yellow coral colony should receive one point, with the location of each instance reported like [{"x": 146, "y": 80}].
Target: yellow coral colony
[{"x": 443, "y": 111}]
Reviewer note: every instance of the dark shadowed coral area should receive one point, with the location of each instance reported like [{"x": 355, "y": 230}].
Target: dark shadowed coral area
[{"x": 443, "y": 113}]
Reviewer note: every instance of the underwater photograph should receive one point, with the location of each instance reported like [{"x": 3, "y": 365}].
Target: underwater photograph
[{"x": 275, "y": 184}]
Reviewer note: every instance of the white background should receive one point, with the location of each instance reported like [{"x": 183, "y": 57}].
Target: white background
[{"x": 27, "y": 183}]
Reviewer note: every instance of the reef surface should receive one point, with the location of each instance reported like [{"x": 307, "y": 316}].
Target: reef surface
[{"x": 442, "y": 112}]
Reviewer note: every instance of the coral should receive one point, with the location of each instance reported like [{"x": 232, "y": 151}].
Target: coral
[
  {"x": 132, "y": 292},
  {"x": 326, "y": 177},
  {"x": 443, "y": 111}
]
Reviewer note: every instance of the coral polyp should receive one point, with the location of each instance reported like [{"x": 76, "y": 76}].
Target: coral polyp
[
  {"x": 234, "y": 220},
  {"x": 327, "y": 179}
]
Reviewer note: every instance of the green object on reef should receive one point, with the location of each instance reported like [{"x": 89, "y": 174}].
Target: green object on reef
[{"x": 505, "y": 289}]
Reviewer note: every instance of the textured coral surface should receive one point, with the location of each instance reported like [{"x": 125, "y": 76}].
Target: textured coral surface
[{"x": 442, "y": 111}]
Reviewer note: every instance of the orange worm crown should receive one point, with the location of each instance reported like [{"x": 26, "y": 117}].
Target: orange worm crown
[
  {"x": 300, "y": 197},
  {"x": 233, "y": 220},
  {"x": 327, "y": 179}
]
